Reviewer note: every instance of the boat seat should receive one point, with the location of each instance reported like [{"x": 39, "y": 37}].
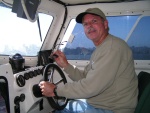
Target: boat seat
[{"x": 143, "y": 105}]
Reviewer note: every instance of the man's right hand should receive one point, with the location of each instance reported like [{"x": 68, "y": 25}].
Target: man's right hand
[{"x": 61, "y": 59}]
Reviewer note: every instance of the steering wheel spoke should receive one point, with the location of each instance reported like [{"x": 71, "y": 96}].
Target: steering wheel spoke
[{"x": 60, "y": 81}]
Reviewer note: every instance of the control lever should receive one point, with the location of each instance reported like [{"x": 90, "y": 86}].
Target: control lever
[
  {"x": 17, "y": 101},
  {"x": 55, "y": 56}
]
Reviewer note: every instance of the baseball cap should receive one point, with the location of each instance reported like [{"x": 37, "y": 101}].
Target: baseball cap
[{"x": 94, "y": 11}]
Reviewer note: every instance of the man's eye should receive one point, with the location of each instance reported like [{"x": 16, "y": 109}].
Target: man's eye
[{"x": 94, "y": 21}]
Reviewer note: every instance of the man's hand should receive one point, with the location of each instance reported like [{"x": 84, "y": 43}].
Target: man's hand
[
  {"x": 61, "y": 59},
  {"x": 47, "y": 88}
]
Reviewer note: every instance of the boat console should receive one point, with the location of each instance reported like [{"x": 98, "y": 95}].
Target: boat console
[{"x": 17, "y": 90}]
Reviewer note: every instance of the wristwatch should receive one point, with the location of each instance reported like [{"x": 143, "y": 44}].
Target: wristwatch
[{"x": 55, "y": 91}]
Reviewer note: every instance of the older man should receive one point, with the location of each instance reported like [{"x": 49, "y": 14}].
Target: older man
[{"x": 109, "y": 82}]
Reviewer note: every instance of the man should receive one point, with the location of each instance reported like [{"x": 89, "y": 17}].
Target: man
[{"x": 109, "y": 82}]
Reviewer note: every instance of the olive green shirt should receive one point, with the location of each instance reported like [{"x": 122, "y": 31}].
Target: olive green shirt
[{"x": 109, "y": 81}]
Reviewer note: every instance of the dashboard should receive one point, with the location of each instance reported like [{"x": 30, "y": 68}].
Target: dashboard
[{"x": 20, "y": 95}]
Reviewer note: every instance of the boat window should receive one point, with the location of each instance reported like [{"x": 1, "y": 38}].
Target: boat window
[
  {"x": 19, "y": 35},
  {"x": 139, "y": 41},
  {"x": 79, "y": 47}
]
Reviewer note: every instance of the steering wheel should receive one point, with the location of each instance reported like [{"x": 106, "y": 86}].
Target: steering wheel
[{"x": 56, "y": 102}]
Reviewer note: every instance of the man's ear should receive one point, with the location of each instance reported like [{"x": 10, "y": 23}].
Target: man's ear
[{"x": 106, "y": 24}]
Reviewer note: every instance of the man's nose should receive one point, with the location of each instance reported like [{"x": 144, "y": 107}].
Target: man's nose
[{"x": 90, "y": 24}]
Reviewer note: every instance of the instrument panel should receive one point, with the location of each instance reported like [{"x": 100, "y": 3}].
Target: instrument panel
[{"x": 21, "y": 98}]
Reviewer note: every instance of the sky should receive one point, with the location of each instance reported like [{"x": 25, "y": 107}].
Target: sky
[{"x": 16, "y": 32}]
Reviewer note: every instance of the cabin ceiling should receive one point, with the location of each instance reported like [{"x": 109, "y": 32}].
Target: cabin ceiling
[
  {"x": 76, "y": 2},
  {"x": 72, "y": 2}
]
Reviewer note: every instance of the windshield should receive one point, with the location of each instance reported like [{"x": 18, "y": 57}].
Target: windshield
[
  {"x": 133, "y": 29},
  {"x": 19, "y": 35}
]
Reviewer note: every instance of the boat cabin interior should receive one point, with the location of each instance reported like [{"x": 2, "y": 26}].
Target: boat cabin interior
[{"x": 31, "y": 30}]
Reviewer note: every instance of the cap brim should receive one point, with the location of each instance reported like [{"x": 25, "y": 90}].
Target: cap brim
[{"x": 80, "y": 16}]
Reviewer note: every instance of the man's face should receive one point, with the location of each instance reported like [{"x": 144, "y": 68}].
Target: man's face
[{"x": 95, "y": 27}]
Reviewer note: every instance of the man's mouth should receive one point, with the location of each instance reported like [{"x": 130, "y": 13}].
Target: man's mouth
[{"x": 91, "y": 30}]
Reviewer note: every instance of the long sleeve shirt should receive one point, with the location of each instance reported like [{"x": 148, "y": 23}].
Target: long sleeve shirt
[{"x": 109, "y": 81}]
